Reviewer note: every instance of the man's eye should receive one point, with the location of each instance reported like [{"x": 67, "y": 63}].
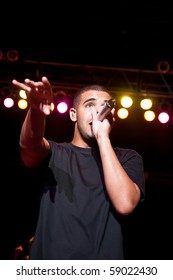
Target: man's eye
[{"x": 89, "y": 105}]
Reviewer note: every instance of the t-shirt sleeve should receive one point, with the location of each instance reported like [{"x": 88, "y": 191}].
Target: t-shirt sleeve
[{"x": 132, "y": 163}]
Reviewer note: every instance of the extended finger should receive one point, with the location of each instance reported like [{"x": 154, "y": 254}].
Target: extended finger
[
  {"x": 93, "y": 113},
  {"x": 21, "y": 85},
  {"x": 47, "y": 85}
]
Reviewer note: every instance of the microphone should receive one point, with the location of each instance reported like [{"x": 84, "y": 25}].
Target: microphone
[{"x": 109, "y": 105}]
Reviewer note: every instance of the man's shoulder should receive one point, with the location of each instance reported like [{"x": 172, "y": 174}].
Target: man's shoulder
[
  {"x": 125, "y": 151},
  {"x": 59, "y": 146}
]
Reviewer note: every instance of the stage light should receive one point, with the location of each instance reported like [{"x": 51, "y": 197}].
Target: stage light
[
  {"x": 62, "y": 107},
  {"x": 163, "y": 117},
  {"x": 146, "y": 104},
  {"x": 163, "y": 67},
  {"x": 165, "y": 106},
  {"x": 8, "y": 102},
  {"x": 22, "y": 104},
  {"x": 12, "y": 55},
  {"x": 61, "y": 101},
  {"x": 52, "y": 106},
  {"x": 126, "y": 101},
  {"x": 149, "y": 115},
  {"x": 165, "y": 111},
  {"x": 6, "y": 91},
  {"x": 122, "y": 113},
  {"x": 22, "y": 94}
]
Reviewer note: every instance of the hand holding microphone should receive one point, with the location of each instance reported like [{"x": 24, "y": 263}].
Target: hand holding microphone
[{"x": 109, "y": 105}]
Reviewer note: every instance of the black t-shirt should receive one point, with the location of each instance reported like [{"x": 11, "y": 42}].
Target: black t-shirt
[{"x": 76, "y": 219}]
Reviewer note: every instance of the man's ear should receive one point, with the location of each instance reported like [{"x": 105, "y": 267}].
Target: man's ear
[{"x": 72, "y": 113}]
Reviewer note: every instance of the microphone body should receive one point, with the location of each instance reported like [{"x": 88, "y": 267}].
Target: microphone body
[{"x": 109, "y": 105}]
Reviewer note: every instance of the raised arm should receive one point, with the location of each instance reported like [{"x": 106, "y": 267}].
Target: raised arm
[
  {"x": 34, "y": 147},
  {"x": 123, "y": 192}
]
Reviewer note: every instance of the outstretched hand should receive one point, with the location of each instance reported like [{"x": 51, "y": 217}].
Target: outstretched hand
[{"x": 39, "y": 94}]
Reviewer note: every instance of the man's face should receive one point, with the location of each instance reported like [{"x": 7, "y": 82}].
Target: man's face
[{"x": 91, "y": 98}]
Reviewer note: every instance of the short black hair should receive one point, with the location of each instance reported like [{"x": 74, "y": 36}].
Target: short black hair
[{"x": 76, "y": 98}]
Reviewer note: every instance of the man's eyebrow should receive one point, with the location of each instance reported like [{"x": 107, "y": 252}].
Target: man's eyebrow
[
  {"x": 92, "y": 99},
  {"x": 89, "y": 99}
]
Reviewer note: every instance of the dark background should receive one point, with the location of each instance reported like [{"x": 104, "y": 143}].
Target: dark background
[{"x": 104, "y": 34}]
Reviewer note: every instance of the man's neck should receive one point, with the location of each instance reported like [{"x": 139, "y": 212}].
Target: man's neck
[{"x": 91, "y": 143}]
